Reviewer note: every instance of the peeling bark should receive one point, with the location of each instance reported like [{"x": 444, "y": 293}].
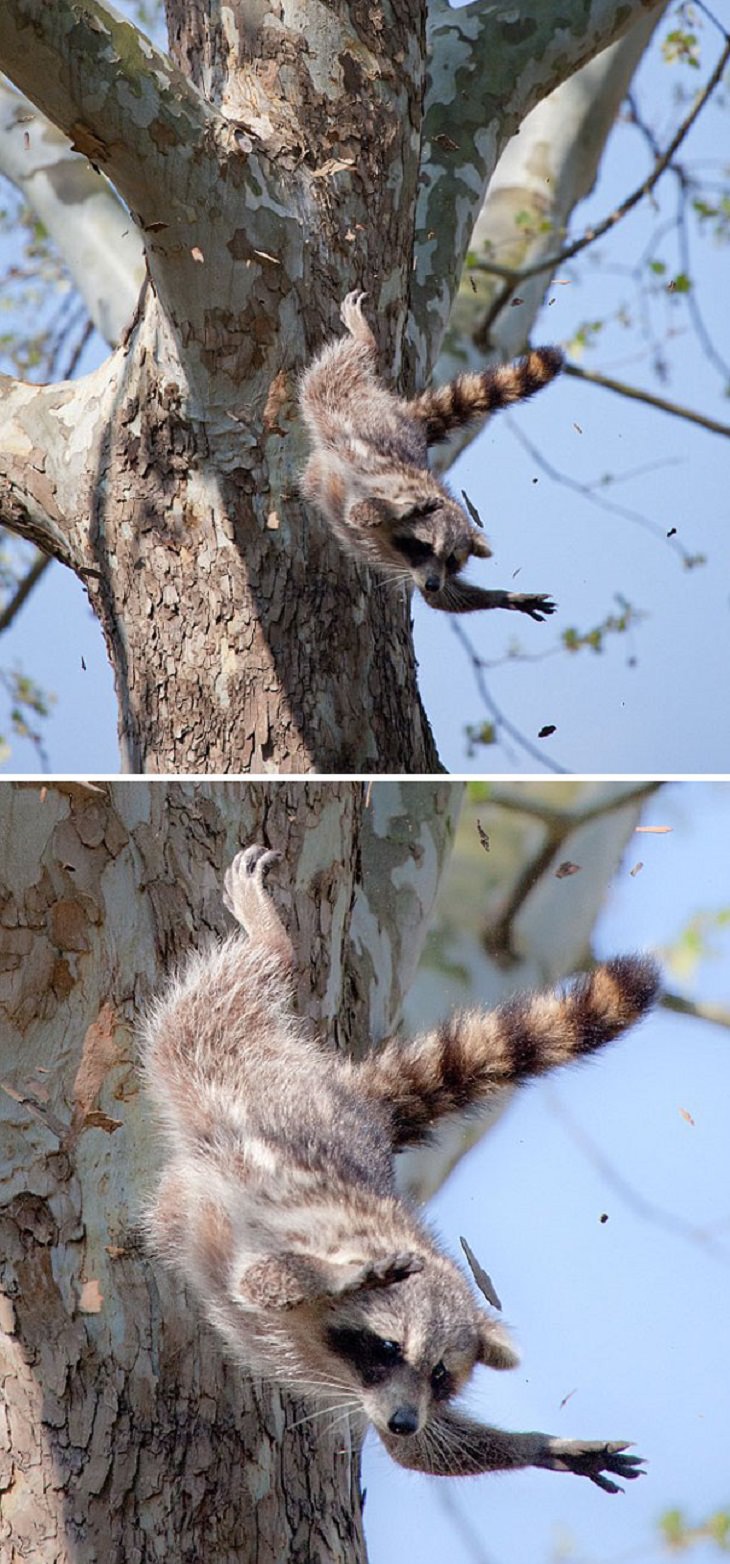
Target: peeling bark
[{"x": 125, "y": 1435}]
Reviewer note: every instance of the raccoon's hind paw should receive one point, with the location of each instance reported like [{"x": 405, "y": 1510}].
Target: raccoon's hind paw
[
  {"x": 244, "y": 883},
  {"x": 592, "y": 1458}
]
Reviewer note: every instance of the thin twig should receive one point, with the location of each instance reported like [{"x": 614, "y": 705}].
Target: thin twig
[
  {"x": 597, "y": 230},
  {"x": 599, "y": 500},
  {"x": 497, "y": 715},
  {"x": 646, "y": 1209},
  {"x": 637, "y": 395},
  {"x": 717, "y": 1015},
  {"x": 23, "y": 589}
]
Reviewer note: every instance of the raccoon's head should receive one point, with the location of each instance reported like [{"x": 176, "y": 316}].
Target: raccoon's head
[
  {"x": 434, "y": 540},
  {"x": 413, "y": 1345}
]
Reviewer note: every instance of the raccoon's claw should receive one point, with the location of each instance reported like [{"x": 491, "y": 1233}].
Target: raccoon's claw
[
  {"x": 592, "y": 1458},
  {"x": 390, "y": 1269},
  {"x": 245, "y": 879},
  {"x": 537, "y": 605}
]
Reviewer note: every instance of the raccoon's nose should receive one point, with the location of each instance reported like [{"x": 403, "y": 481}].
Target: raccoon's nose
[
  {"x": 432, "y": 584},
  {"x": 404, "y": 1421}
]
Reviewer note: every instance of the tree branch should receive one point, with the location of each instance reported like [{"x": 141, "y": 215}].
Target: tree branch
[
  {"x": 597, "y": 230},
  {"x": 717, "y": 1015},
  {"x": 637, "y": 395},
  {"x": 496, "y": 67},
  {"x": 77, "y": 206},
  {"x": 116, "y": 97},
  {"x": 24, "y": 589},
  {"x": 40, "y": 490}
]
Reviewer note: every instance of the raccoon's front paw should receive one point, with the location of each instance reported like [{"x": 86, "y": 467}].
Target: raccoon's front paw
[
  {"x": 243, "y": 882},
  {"x": 535, "y": 604},
  {"x": 591, "y": 1458}
]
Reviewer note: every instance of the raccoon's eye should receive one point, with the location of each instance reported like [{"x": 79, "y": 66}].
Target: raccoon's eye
[
  {"x": 441, "y": 1382},
  {"x": 413, "y": 550},
  {"x": 386, "y": 1351}
]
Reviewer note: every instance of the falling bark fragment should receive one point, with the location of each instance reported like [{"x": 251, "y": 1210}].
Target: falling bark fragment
[
  {"x": 197, "y": 254},
  {"x": 481, "y": 833},
  {"x": 654, "y": 830},
  {"x": 91, "y": 1297},
  {"x": 564, "y": 870},
  {"x": 483, "y": 1280},
  {"x": 577, "y": 428},
  {"x": 115, "y": 1251},
  {"x": 266, "y": 257},
  {"x": 272, "y": 521},
  {"x": 550, "y": 727},
  {"x": 603, "y": 1217},
  {"x": 671, "y": 533},
  {"x": 516, "y": 301},
  {"x": 686, "y": 1115},
  {"x": 636, "y": 869},
  {"x": 566, "y": 1399}
]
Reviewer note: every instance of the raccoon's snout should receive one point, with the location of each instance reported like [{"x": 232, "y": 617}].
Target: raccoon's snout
[
  {"x": 404, "y": 1421},
  {"x": 432, "y": 584}
]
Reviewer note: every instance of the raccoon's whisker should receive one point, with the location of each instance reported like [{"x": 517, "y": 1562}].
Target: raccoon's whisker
[{"x": 351, "y": 1406}]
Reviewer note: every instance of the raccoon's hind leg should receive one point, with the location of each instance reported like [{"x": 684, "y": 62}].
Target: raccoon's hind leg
[
  {"x": 353, "y": 319},
  {"x": 246, "y": 896}
]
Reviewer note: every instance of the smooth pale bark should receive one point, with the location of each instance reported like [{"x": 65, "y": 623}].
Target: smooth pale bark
[
  {"x": 272, "y": 163},
  {"x": 125, "y": 1433},
  {"x": 78, "y": 209}
]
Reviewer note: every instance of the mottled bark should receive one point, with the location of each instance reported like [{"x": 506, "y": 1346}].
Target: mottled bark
[
  {"x": 274, "y": 162},
  {"x": 126, "y": 1436}
]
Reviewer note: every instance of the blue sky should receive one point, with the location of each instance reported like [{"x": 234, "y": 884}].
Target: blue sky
[
  {"x": 650, "y": 702},
  {"x": 630, "y": 1317}
]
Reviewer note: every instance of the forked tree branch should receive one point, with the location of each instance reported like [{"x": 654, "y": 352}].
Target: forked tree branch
[{"x": 118, "y": 99}]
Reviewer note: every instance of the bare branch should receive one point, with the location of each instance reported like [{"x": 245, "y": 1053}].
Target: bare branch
[
  {"x": 637, "y": 395},
  {"x": 501, "y": 722},
  {"x": 87, "y": 222},
  {"x": 496, "y": 72},
  {"x": 24, "y": 589},
  {"x": 597, "y": 230},
  {"x": 633, "y": 1198},
  {"x": 718, "y": 1015},
  {"x": 40, "y": 493},
  {"x": 498, "y": 936},
  {"x": 116, "y": 97}
]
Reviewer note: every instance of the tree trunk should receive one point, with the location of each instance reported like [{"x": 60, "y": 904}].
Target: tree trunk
[
  {"x": 284, "y": 155},
  {"x": 126, "y": 1435}
]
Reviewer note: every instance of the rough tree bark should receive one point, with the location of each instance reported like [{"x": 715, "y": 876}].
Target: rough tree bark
[
  {"x": 281, "y": 155},
  {"x": 125, "y": 1435}
]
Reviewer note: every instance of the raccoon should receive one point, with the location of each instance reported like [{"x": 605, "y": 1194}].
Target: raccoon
[
  {"x": 368, "y": 471},
  {"x": 278, "y": 1203}
]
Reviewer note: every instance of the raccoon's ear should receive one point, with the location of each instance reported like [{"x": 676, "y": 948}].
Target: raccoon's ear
[
  {"x": 480, "y": 546},
  {"x": 495, "y": 1349}
]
